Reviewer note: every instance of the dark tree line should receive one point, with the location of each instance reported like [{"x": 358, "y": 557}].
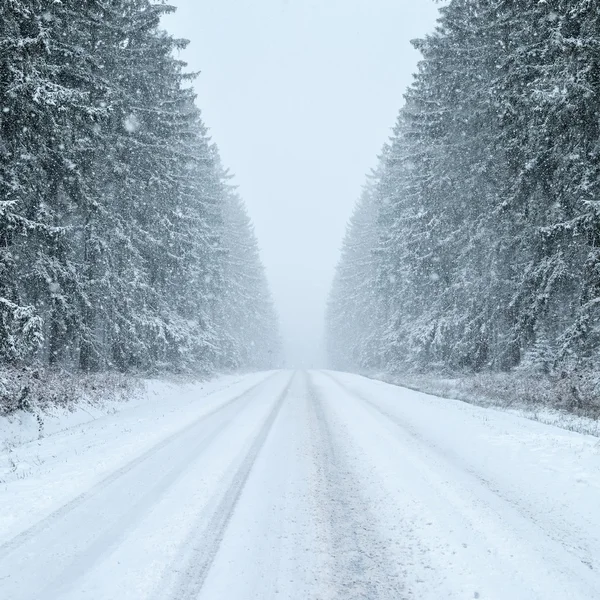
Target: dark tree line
[
  {"x": 122, "y": 243},
  {"x": 476, "y": 244}
]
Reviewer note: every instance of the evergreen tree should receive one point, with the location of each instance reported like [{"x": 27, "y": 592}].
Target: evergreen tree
[
  {"x": 248, "y": 316},
  {"x": 115, "y": 213},
  {"x": 487, "y": 226},
  {"x": 353, "y": 299}
]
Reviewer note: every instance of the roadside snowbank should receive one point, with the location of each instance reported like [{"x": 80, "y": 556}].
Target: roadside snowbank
[
  {"x": 522, "y": 396},
  {"x": 84, "y": 445},
  {"x": 26, "y": 426}
]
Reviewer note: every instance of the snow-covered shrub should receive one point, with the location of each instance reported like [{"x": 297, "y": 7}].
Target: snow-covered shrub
[
  {"x": 37, "y": 390},
  {"x": 575, "y": 392}
]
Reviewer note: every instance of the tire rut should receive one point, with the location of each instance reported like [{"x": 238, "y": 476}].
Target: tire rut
[
  {"x": 447, "y": 457},
  {"x": 111, "y": 537},
  {"x": 203, "y": 543},
  {"x": 359, "y": 566},
  {"x": 31, "y": 532}
]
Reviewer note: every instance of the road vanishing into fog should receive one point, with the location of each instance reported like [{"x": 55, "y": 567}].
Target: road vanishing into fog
[{"x": 305, "y": 485}]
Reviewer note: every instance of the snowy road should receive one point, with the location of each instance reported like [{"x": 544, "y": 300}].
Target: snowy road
[{"x": 305, "y": 486}]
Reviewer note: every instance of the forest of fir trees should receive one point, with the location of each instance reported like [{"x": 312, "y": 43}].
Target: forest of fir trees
[
  {"x": 475, "y": 246},
  {"x": 123, "y": 245}
]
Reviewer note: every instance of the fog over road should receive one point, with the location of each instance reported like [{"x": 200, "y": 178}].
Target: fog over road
[{"x": 305, "y": 485}]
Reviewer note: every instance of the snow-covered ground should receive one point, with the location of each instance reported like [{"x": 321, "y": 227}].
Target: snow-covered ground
[
  {"x": 514, "y": 396},
  {"x": 304, "y": 486}
]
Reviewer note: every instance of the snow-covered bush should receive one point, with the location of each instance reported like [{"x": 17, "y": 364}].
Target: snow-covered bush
[
  {"x": 576, "y": 393},
  {"x": 37, "y": 390}
]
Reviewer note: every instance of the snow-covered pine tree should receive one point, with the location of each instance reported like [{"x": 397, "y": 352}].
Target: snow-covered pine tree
[
  {"x": 555, "y": 136},
  {"x": 20, "y": 325},
  {"x": 249, "y": 320},
  {"x": 488, "y": 210},
  {"x": 41, "y": 104},
  {"x": 353, "y": 319},
  {"x": 112, "y": 197}
]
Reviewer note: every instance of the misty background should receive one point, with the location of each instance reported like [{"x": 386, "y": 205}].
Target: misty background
[{"x": 300, "y": 96}]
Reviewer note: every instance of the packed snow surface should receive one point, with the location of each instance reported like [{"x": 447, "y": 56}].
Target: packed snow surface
[{"x": 315, "y": 485}]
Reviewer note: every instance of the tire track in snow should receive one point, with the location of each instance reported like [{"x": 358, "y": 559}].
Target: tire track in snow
[
  {"x": 445, "y": 456},
  {"x": 82, "y": 562},
  {"x": 359, "y": 565},
  {"x": 30, "y": 533},
  {"x": 203, "y": 543}
]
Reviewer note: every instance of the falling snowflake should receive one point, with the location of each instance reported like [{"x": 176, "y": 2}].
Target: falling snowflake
[{"x": 131, "y": 123}]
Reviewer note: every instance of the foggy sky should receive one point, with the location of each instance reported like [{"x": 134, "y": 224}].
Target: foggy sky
[{"x": 300, "y": 96}]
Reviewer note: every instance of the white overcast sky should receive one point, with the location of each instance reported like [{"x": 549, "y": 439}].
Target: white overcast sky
[{"x": 300, "y": 95}]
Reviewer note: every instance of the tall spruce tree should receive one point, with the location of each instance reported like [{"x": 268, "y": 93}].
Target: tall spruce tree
[
  {"x": 487, "y": 226},
  {"x": 249, "y": 321},
  {"x": 114, "y": 208}
]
